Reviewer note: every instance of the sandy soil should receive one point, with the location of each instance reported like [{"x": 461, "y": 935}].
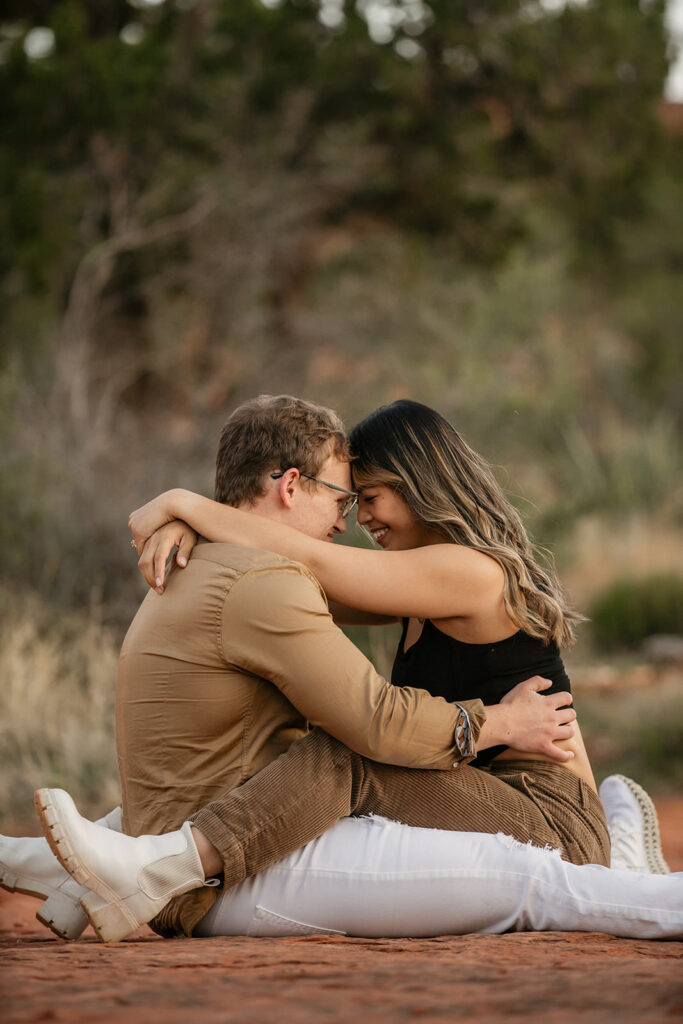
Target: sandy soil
[{"x": 551, "y": 977}]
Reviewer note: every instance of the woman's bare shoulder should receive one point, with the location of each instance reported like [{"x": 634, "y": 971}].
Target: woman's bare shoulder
[{"x": 458, "y": 558}]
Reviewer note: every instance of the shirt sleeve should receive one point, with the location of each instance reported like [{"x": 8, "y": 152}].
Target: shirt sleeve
[{"x": 276, "y": 625}]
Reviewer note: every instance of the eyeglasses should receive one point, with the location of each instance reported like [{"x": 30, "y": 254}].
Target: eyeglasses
[{"x": 344, "y": 508}]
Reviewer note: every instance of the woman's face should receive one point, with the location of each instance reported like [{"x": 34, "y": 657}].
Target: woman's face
[{"x": 385, "y": 514}]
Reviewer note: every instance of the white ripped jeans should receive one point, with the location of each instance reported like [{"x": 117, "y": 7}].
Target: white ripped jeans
[{"x": 373, "y": 877}]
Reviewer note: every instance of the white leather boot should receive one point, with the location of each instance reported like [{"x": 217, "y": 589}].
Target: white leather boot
[
  {"x": 633, "y": 827},
  {"x": 129, "y": 880},
  {"x": 28, "y": 865}
]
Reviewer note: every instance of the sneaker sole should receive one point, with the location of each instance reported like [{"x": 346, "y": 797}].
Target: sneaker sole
[
  {"x": 106, "y": 915},
  {"x": 654, "y": 857}
]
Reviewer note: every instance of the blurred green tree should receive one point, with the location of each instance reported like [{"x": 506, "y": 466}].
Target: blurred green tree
[
  {"x": 176, "y": 172},
  {"x": 466, "y": 106}
]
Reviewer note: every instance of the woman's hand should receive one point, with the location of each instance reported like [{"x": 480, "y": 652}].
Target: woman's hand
[
  {"x": 535, "y": 722},
  {"x": 150, "y": 517},
  {"x": 158, "y": 547}
]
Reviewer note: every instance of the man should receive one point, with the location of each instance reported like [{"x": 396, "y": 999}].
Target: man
[{"x": 219, "y": 676}]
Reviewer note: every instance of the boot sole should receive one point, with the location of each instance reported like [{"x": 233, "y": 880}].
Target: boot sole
[
  {"x": 654, "y": 857},
  {"x": 108, "y": 919},
  {"x": 106, "y": 915},
  {"x": 62, "y": 915}
]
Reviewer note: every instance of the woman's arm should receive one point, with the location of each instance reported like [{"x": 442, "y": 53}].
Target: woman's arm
[
  {"x": 345, "y": 616},
  {"x": 439, "y": 581},
  {"x": 177, "y": 534}
]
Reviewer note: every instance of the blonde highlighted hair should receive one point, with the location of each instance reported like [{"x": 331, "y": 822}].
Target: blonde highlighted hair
[{"x": 448, "y": 487}]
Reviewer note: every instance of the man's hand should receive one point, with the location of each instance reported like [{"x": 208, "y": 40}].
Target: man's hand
[
  {"x": 156, "y": 551},
  {"x": 528, "y": 721},
  {"x": 150, "y": 517}
]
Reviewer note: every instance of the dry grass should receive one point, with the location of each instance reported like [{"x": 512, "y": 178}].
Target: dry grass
[{"x": 57, "y": 719}]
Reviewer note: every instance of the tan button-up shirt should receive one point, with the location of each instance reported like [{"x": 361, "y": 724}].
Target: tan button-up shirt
[{"x": 220, "y": 674}]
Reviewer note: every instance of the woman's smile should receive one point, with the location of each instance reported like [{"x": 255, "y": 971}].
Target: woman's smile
[{"x": 385, "y": 515}]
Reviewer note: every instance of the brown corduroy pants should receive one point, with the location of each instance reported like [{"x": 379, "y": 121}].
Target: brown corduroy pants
[{"x": 319, "y": 780}]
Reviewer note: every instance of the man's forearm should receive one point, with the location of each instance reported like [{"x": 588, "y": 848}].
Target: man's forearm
[{"x": 496, "y": 730}]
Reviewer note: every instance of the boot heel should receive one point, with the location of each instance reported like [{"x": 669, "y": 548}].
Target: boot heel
[
  {"x": 63, "y": 916},
  {"x": 108, "y": 919}
]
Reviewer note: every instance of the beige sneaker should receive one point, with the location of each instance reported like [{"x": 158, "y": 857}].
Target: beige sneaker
[{"x": 633, "y": 826}]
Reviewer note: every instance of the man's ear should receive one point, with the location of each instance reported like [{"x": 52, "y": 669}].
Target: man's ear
[{"x": 288, "y": 486}]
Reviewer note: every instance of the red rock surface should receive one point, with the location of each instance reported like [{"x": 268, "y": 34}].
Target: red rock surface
[{"x": 551, "y": 977}]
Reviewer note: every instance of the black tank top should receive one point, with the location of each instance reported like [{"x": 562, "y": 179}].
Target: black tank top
[{"x": 459, "y": 671}]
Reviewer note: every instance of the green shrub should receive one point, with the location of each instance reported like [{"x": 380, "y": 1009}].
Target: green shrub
[
  {"x": 638, "y": 732},
  {"x": 630, "y": 610}
]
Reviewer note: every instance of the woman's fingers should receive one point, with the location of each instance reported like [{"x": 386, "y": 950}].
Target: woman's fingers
[
  {"x": 187, "y": 542},
  {"x": 152, "y": 561},
  {"x": 157, "y": 549},
  {"x": 146, "y": 562},
  {"x": 165, "y": 545}
]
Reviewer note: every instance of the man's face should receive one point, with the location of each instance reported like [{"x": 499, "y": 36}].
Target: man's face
[{"x": 317, "y": 509}]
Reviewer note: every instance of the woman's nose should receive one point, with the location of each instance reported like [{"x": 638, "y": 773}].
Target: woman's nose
[{"x": 363, "y": 515}]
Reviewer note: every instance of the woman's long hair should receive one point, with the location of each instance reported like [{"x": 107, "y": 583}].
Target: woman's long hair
[{"x": 452, "y": 490}]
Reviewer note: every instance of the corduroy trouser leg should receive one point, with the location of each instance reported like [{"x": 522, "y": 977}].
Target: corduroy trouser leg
[{"x": 318, "y": 781}]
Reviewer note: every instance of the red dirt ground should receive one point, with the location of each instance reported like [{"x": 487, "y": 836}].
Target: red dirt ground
[{"x": 549, "y": 978}]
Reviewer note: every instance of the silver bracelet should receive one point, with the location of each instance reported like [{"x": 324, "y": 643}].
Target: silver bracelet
[{"x": 464, "y": 742}]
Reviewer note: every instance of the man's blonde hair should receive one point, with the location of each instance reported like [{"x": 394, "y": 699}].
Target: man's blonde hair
[{"x": 271, "y": 433}]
